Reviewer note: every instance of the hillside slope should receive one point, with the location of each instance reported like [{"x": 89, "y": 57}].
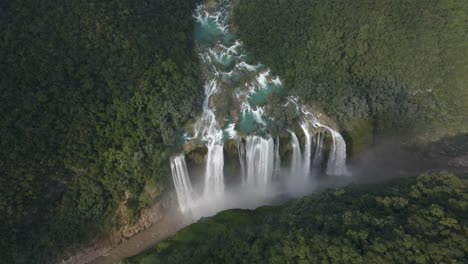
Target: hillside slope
[{"x": 92, "y": 96}]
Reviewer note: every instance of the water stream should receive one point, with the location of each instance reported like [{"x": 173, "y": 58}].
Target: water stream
[{"x": 237, "y": 94}]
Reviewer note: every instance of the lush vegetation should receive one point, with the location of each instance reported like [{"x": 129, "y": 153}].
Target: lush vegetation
[
  {"x": 414, "y": 220},
  {"x": 377, "y": 67},
  {"x": 92, "y": 96}
]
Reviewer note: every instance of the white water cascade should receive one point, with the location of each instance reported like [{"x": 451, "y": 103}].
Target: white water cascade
[
  {"x": 336, "y": 165},
  {"x": 260, "y": 163},
  {"x": 242, "y": 92},
  {"x": 241, "y": 154},
  {"x": 307, "y": 150},
  {"x": 277, "y": 158},
  {"x": 182, "y": 183},
  {"x": 337, "y": 159},
  {"x": 318, "y": 154},
  {"x": 214, "y": 177},
  {"x": 296, "y": 166},
  {"x": 207, "y": 128}
]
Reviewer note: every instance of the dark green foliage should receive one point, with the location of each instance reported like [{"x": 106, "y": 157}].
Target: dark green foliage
[
  {"x": 453, "y": 147},
  {"x": 415, "y": 220},
  {"x": 92, "y": 96},
  {"x": 400, "y": 65}
]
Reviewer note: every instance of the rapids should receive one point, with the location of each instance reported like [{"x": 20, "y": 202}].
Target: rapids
[{"x": 230, "y": 76}]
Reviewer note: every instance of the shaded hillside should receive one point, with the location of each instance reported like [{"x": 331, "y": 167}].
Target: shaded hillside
[{"x": 92, "y": 96}]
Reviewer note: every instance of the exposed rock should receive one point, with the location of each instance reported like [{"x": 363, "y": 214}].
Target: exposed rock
[
  {"x": 147, "y": 218},
  {"x": 101, "y": 246},
  {"x": 230, "y": 147},
  {"x": 194, "y": 146}
]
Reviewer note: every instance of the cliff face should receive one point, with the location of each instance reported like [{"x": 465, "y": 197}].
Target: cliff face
[{"x": 106, "y": 245}]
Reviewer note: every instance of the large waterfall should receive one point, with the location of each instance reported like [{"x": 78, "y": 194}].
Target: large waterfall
[
  {"x": 277, "y": 158},
  {"x": 318, "y": 155},
  {"x": 182, "y": 183},
  {"x": 241, "y": 155},
  {"x": 296, "y": 160},
  {"x": 214, "y": 177},
  {"x": 260, "y": 163},
  {"x": 307, "y": 149},
  {"x": 235, "y": 111},
  {"x": 337, "y": 160}
]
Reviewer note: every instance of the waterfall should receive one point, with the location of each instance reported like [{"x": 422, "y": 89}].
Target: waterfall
[
  {"x": 337, "y": 158},
  {"x": 296, "y": 165},
  {"x": 242, "y": 92},
  {"x": 307, "y": 149},
  {"x": 182, "y": 183},
  {"x": 241, "y": 153},
  {"x": 318, "y": 153},
  {"x": 207, "y": 128},
  {"x": 259, "y": 153},
  {"x": 214, "y": 177},
  {"x": 277, "y": 158}
]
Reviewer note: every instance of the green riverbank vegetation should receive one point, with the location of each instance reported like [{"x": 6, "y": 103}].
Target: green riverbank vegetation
[{"x": 411, "y": 220}]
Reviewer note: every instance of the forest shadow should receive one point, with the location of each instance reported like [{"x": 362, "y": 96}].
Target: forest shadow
[{"x": 388, "y": 159}]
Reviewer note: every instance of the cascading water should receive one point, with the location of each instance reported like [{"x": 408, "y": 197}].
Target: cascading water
[
  {"x": 318, "y": 153},
  {"x": 182, "y": 183},
  {"x": 214, "y": 177},
  {"x": 296, "y": 166},
  {"x": 307, "y": 150},
  {"x": 241, "y": 153},
  {"x": 277, "y": 158},
  {"x": 260, "y": 163},
  {"x": 242, "y": 91},
  {"x": 207, "y": 128},
  {"x": 337, "y": 160}
]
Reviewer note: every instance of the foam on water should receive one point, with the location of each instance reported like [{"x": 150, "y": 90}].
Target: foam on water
[{"x": 261, "y": 175}]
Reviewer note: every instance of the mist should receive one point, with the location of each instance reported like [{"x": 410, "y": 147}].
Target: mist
[{"x": 389, "y": 159}]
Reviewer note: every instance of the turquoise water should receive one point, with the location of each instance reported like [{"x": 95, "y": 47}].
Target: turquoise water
[
  {"x": 226, "y": 61},
  {"x": 207, "y": 32},
  {"x": 233, "y": 68},
  {"x": 247, "y": 122},
  {"x": 229, "y": 38},
  {"x": 260, "y": 97},
  {"x": 181, "y": 139}
]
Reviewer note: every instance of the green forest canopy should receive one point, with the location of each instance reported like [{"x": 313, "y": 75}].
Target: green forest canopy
[
  {"x": 412, "y": 220},
  {"x": 92, "y": 96},
  {"x": 377, "y": 67}
]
